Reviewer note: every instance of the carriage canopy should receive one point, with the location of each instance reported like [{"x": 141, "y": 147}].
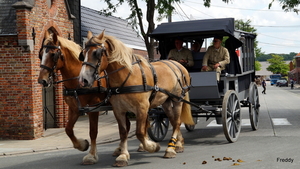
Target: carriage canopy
[{"x": 206, "y": 28}]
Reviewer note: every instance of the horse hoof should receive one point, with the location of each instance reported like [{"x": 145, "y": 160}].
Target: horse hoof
[
  {"x": 87, "y": 145},
  {"x": 120, "y": 164},
  {"x": 117, "y": 152},
  {"x": 89, "y": 159},
  {"x": 157, "y": 148},
  {"x": 179, "y": 149},
  {"x": 88, "y": 163},
  {"x": 141, "y": 149},
  {"x": 84, "y": 145},
  {"x": 170, "y": 155}
]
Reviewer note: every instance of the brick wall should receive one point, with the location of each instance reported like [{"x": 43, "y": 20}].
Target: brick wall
[
  {"x": 21, "y": 115},
  {"x": 145, "y": 54}
]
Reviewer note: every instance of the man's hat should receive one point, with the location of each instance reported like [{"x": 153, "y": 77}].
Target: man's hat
[
  {"x": 218, "y": 37},
  {"x": 179, "y": 38}
]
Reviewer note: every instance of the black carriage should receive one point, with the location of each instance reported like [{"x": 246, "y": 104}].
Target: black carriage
[{"x": 209, "y": 98}]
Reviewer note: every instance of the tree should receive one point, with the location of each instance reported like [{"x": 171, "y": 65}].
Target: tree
[
  {"x": 135, "y": 19},
  {"x": 246, "y": 26},
  {"x": 164, "y": 9},
  {"x": 288, "y": 5},
  {"x": 277, "y": 65}
]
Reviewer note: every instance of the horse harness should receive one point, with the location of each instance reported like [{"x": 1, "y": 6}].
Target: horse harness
[
  {"x": 71, "y": 92},
  {"x": 136, "y": 88}
]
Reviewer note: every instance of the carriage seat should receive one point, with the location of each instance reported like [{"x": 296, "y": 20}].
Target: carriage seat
[{"x": 198, "y": 58}]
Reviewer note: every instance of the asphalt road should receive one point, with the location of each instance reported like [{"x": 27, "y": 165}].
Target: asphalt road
[{"x": 274, "y": 145}]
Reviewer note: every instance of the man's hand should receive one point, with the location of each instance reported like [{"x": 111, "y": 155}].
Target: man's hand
[
  {"x": 216, "y": 65},
  {"x": 182, "y": 61},
  {"x": 204, "y": 68}
]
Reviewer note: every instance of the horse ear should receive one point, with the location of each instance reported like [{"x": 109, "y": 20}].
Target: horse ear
[
  {"x": 81, "y": 57},
  {"x": 111, "y": 46},
  {"x": 47, "y": 35},
  {"x": 55, "y": 39},
  {"x": 89, "y": 35},
  {"x": 101, "y": 36}
]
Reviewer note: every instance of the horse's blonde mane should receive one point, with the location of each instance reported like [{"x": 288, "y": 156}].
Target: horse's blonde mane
[
  {"x": 121, "y": 53},
  {"x": 73, "y": 47}
]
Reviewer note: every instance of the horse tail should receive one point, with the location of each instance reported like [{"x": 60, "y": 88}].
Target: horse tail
[{"x": 186, "y": 114}]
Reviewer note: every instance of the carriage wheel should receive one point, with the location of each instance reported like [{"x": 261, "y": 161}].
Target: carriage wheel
[
  {"x": 191, "y": 127},
  {"x": 254, "y": 106},
  {"x": 159, "y": 124},
  {"x": 231, "y": 116}
]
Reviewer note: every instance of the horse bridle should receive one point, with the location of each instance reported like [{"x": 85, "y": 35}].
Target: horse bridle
[
  {"x": 55, "y": 58},
  {"x": 98, "y": 54}
]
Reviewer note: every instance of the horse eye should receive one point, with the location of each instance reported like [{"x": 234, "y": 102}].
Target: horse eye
[{"x": 95, "y": 54}]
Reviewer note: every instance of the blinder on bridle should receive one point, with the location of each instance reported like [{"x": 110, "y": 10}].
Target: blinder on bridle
[
  {"x": 55, "y": 56},
  {"x": 97, "y": 55}
]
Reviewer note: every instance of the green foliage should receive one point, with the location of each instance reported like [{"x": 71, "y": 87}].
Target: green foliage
[
  {"x": 277, "y": 65},
  {"x": 286, "y": 57},
  {"x": 288, "y": 5},
  {"x": 257, "y": 66}
]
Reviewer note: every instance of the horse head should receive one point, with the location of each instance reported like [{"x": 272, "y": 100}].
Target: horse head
[
  {"x": 51, "y": 57},
  {"x": 94, "y": 58}
]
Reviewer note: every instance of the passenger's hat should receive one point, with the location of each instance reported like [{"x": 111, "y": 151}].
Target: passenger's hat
[
  {"x": 218, "y": 37},
  {"x": 179, "y": 38}
]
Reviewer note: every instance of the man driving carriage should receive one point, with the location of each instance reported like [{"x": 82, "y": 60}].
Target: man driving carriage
[
  {"x": 216, "y": 57},
  {"x": 181, "y": 54}
]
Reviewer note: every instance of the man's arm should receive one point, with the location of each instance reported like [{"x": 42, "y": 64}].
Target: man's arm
[
  {"x": 205, "y": 59},
  {"x": 190, "y": 61},
  {"x": 226, "y": 57},
  {"x": 170, "y": 55}
]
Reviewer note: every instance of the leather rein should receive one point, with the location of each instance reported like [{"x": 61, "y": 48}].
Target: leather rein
[
  {"x": 72, "y": 92},
  {"x": 136, "y": 88}
]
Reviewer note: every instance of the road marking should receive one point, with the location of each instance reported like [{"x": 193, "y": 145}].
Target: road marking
[
  {"x": 280, "y": 121},
  {"x": 245, "y": 122}
]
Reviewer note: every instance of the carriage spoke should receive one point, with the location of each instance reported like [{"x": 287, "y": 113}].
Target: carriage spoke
[{"x": 232, "y": 116}]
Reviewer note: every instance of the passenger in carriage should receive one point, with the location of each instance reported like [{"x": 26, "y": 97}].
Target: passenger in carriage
[
  {"x": 216, "y": 57},
  {"x": 181, "y": 54},
  {"x": 195, "y": 48}
]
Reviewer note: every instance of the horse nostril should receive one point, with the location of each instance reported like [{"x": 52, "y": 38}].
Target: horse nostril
[
  {"x": 43, "y": 82},
  {"x": 85, "y": 82}
]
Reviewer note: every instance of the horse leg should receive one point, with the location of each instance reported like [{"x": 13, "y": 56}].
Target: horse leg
[
  {"x": 173, "y": 110},
  {"x": 122, "y": 150},
  {"x": 117, "y": 151},
  {"x": 79, "y": 144},
  {"x": 142, "y": 125},
  {"x": 179, "y": 144},
  {"x": 92, "y": 157}
]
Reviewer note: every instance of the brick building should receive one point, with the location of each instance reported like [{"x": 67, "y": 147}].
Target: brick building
[
  {"x": 22, "y": 27},
  {"x": 295, "y": 70}
]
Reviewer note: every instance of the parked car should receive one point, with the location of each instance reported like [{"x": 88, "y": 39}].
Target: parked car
[{"x": 282, "y": 83}]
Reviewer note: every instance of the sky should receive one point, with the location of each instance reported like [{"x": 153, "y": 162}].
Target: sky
[{"x": 277, "y": 31}]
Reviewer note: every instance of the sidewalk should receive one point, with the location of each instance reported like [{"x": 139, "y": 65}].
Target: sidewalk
[{"x": 57, "y": 139}]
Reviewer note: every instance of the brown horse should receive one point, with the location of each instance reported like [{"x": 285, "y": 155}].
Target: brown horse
[
  {"x": 61, "y": 54},
  {"x": 137, "y": 86}
]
